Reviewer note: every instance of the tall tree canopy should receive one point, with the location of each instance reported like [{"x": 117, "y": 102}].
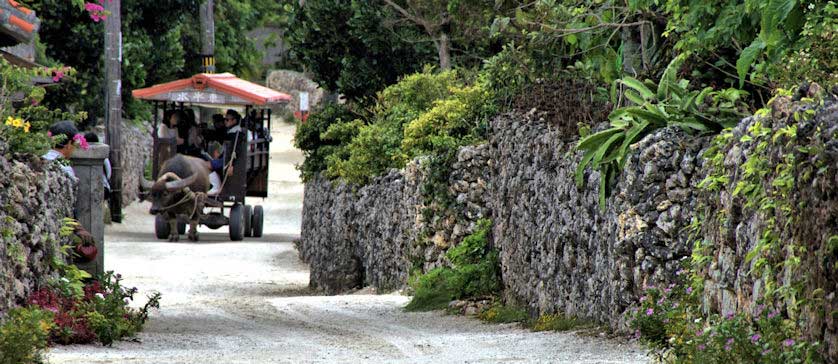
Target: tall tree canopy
[
  {"x": 350, "y": 47},
  {"x": 160, "y": 43}
]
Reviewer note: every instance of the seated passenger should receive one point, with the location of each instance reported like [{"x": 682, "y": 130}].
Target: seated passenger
[
  {"x": 219, "y": 131},
  {"x": 232, "y": 121},
  {"x": 169, "y": 128},
  {"x": 216, "y": 167}
]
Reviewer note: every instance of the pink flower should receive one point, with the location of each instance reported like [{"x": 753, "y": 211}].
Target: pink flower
[
  {"x": 755, "y": 338},
  {"x": 729, "y": 316},
  {"x": 81, "y": 141},
  {"x": 788, "y": 342},
  {"x": 772, "y": 314},
  {"x": 689, "y": 290},
  {"x": 49, "y": 133},
  {"x": 650, "y": 311},
  {"x": 96, "y": 11},
  {"x": 58, "y": 75},
  {"x": 701, "y": 347}
]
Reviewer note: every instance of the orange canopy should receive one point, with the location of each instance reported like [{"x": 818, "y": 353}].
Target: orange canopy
[{"x": 212, "y": 89}]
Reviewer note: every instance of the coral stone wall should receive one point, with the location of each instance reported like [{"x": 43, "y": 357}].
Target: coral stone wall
[
  {"x": 562, "y": 252},
  {"x": 375, "y": 235},
  {"x": 559, "y": 250},
  {"x": 34, "y": 198},
  {"x": 136, "y": 151}
]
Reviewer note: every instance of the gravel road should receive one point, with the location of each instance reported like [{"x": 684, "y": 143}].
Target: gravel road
[{"x": 249, "y": 302}]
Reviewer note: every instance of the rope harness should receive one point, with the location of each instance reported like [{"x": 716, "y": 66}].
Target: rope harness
[{"x": 198, "y": 198}]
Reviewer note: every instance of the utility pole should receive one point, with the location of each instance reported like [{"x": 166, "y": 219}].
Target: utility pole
[
  {"x": 208, "y": 36},
  {"x": 113, "y": 102}
]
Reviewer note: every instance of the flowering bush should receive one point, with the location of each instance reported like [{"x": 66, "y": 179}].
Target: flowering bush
[
  {"x": 25, "y": 128},
  {"x": 100, "y": 313},
  {"x": 23, "y": 335},
  {"x": 671, "y": 322}
]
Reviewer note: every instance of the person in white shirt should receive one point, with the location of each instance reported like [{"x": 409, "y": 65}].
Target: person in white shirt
[{"x": 65, "y": 146}]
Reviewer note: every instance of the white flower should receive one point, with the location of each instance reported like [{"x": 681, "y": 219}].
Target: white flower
[
  {"x": 697, "y": 320},
  {"x": 811, "y": 6},
  {"x": 100, "y": 296},
  {"x": 65, "y": 280}
]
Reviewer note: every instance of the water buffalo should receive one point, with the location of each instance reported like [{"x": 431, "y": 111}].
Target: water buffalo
[{"x": 174, "y": 192}]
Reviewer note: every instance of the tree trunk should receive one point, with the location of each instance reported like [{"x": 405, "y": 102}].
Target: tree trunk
[{"x": 443, "y": 46}]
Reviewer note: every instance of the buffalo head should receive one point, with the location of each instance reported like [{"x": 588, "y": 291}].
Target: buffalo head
[{"x": 167, "y": 191}]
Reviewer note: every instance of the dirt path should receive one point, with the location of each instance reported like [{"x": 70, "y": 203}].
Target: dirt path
[{"x": 248, "y": 302}]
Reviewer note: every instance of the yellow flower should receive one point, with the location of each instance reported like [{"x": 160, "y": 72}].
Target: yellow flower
[
  {"x": 17, "y": 123},
  {"x": 26, "y": 127},
  {"x": 9, "y": 120}
]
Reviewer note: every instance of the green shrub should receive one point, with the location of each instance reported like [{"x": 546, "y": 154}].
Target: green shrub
[
  {"x": 23, "y": 335},
  {"x": 459, "y": 119},
  {"x": 307, "y": 138},
  {"x": 474, "y": 272},
  {"x": 372, "y": 152},
  {"x": 377, "y": 147},
  {"x": 669, "y": 320},
  {"x": 671, "y": 104}
]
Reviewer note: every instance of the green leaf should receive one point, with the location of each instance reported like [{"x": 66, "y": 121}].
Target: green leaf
[
  {"x": 653, "y": 117},
  {"x": 634, "y": 97},
  {"x": 694, "y": 125},
  {"x": 580, "y": 169},
  {"x": 746, "y": 59},
  {"x": 772, "y": 15},
  {"x": 639, "y": 87},
  {"x": 604, "y": 149},
  {"x": 631, "y": 135},
  {"x": 595, "y": 139},
  {"x": 669, "y": 75}
]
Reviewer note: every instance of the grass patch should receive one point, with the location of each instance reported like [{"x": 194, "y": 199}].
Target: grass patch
[
  {"x": 474, "y": 272},
  {"x": 558, "y": 322},
  {"x": 501, "y": 314}
]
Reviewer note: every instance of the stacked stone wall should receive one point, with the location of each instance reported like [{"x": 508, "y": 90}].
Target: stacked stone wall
[
  {"x": 35, "y": 196},
  {"x": 563, "y": 252}
]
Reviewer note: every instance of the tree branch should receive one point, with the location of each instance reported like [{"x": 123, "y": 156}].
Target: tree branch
[{"x": 408, "y": 15}]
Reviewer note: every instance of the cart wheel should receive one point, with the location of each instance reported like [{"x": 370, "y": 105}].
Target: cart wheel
[
  {"x": 258, "y": 221},
  {"x": 248, "y": 212},
  {"x": 236, "y": 223},
  {"x": 161, "y": 227},
  {"x": 181, "y": 228}
]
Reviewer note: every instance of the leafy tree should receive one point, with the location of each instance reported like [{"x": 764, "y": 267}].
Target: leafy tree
[
  {"x": 351, "y": 48},
  {"x": 160, "y": 43},
  {"x": 450, "y": 23}
]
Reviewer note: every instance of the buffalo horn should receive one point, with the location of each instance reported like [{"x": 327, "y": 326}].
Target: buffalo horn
[{"x": 179, "y": 184}]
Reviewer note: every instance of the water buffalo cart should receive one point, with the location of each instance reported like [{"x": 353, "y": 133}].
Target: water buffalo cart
[{"x": 245, "y": 154}]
